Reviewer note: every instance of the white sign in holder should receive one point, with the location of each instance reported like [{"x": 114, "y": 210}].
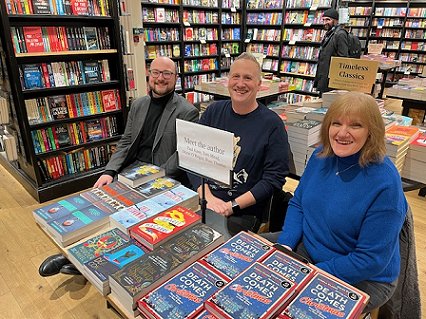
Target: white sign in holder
[{"x": 206, "y": 152}]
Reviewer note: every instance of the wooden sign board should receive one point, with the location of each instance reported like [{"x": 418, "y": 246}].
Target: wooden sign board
[{"x": 352, "y": 74}]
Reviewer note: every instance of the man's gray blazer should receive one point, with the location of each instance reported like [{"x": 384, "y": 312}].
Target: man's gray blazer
[{"x": 164, "y": 148}]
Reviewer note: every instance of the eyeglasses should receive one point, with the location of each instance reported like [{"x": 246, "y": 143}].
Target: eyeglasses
[{"x": 156, "y": 73}]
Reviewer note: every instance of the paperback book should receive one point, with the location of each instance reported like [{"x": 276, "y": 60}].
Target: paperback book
[
  {"x": 183, "y": 296},
  {"x": 141, "y": 173},
  {"x": 258, "y": 292},
  {"x": 111, "y": 190},
  {"x": 158, "y": 229},
  {"x": 157, "y": 186},
  {"x": 237, "y": 254},
  {"x": 179, "y": 195},
  {"x": 154, "y": 268}
]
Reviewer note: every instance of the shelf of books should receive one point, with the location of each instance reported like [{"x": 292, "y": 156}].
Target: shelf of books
[
  {"x": 67, "y": 86},
  {"x": 360, "y": 14}
]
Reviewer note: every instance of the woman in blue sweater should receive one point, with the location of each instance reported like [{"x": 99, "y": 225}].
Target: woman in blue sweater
[{"x": 349, "y": 207}]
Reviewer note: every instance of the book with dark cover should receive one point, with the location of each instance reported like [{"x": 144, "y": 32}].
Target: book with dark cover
[
  {"x": 62, "y": 135},
  {"x": 133, "y": 215},
  {"x": 91, "y": 71},
  {"x": 326, "y": 297},
  {"x": 183, "y": 295},
  {"x": 291, "y": 268},
  {"x": 130, "y": 198},
  {"x": 41, "y": 7},
  {"x": 91, "y": 38},
  {"x": 100, "y": 268},
  {"x": 97, "y": 245},
  {"x": 151, "y": 270},
  {"x": 59, "y": 209},
  {"x": 237, "y": 254},
  {"x": 58, "y": 107},
  {"x": 140, "y": 173},
  {"x": 94, "y": 130},
  {"x": 157, "y": 186},
  {"x": 258, "y": 292},
  {"x": 162, "y": 227}
]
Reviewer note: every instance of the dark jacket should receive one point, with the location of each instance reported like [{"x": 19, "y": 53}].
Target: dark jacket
[
  {"x": 335, "y": 43},
  {"x": 164, "y": 147}
]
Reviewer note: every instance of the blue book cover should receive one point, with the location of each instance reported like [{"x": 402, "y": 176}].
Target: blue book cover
[
  {"x": 133, "y": 215},
  {"x": 174, "y": 196},
  {"x": 182, "y": 296},
  {"x": 60, "y": 208},
  {"x": 237, "y": 254},
  {"x": 257, "y": 293},
  {"x": 97, "y": 245},
  {"x": 324, "y": 297},
  {"x": 205, "y": 315},
  {"x": 33, "y": 77},
  {"x": 79, "y": 219},
  {"x": 291, "y": 268},
  {"x": 157, "y": 186}
]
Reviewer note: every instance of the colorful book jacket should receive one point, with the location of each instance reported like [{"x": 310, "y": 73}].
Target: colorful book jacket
[
  {"x": 130, "y": 198},
  {"x": 157, "y": 186},
  {"x": 134, "y": 215},
  {"x": 139, "y": 174},
  {"x": 183, "y": 296},
  {"x": 294, "y": 270},
  {"x": 237, "y": 254},
  {"x": 326, "y": 297},
  {"x": 175, "y": 196},
  {"x": 154, "y": 268},
  {"x": 111, "y": 190},
  {"x": 257, "y": 293},
  {"x": 98, "y": 245},
  {"x": 60, "y": 209},
  {"x": 160, "y": 228}
]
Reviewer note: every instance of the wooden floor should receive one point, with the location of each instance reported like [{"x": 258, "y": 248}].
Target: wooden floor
[{"x": 23, "y": 246}]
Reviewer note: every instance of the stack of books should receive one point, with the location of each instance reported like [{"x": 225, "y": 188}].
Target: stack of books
[
  {"x": 329, "y": 97},
  {"x": 140, "y": 173},
  {"x": 415, "y": 161},
  {"x": 398, "y": 139}
]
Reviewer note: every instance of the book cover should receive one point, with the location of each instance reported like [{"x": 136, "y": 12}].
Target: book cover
[
  {"x": 91, "y": 72},
  {"x": 33, "y": 77},
  {"x": 154, "y": 268},
  {"x": 140, "y": 173},
  {"x": 60, "y": 209},
  {"x": 157, "y": 186},
  {"x": 91, "y": 38},
  {"x": 326, "y": 297},
  {"x": 258, "y": 292},
  {"x": 180, "y": 195},
  {"x": 419, "y": 144},
  {"x": 183, "y": 295},
  {"x": 130, "y": 198},
  {"x": 133, "y": 215},
  {"x": 79, "y": 7},
  {"x": 94, "y": 130},
  {"x": 97, "y": 245},
  {"x": 109, "y": 100},
  {"x": 237, "y": 254},
  {"x": 41, "y": 7},
  {"x": 105, "y": 192},
  {"x": 305, "y": 126},
  {"x": 58, "y": 107},
  {"x": 33, "y": 37},
  {"x": 164, "y": 226},
  {"x": 205, "y": 315}
]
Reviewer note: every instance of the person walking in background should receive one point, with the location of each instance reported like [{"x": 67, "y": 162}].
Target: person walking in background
[{"x": 334, "y": 43}]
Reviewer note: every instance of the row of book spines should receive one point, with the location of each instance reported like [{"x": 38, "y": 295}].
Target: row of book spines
[
  {"x": 299, "y": 67},
  {"x": 58, "y": 74},
  {"x": 190, "y": 81},
  {"x": 300, "y": 84},
  {"x": 46, "y": 139},
  {"x": 314, "y": 35},
  {"x": 264, "y": 4},
  {"x": 160, "y": 15},
  {"x": 203, "y": 65},
  {"x": 55, "y": 167},
  {"x": 307, "y": 3},
  {"x": 231, "y": 48},
  {"x": 79, "y": 104},
  {"x": 56, "y": 39},
  {"x": 58, "y": 7},
  {"x": 194, "y": 34},
  {"x": 265, "y": 18},
  {"x": 197, "y": 49},
  {"x": 161, "y": 34},
  {"x": 266, "y": 49}
]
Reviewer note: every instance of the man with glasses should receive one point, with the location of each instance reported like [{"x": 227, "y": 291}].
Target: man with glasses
[
  {"x": 334, "y": 43},
  {"x": 149, "y": 136}
]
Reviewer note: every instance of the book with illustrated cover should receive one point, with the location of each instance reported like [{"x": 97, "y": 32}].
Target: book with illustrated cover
[
  {"x": 154, "y": 268},
  {"x": 91, "y": 72},
  {"x": 179, "y": 195},
  {"x": 419, "y": 143},
  {"x": 157, "y": 186},
  {"x": 130, "y": 216},
  {"x": 91, "y": 38},
  {"x": 258, "y": 292},
  {"x": 41, "y": 7},
  {"x": 130, "y": 198},
  {"x": 62, "y": 135},
  {"x": 238, "y": 253},
  {"x": 162, "y": 227},
  {"x": 110, "y": 190},
  {"x": 109, "y": 100},
  {"x": 59, "y": 209},
  {"x": 100, "y": 268},
  {"x": 94, "y": 130},
  {"x": 326, "y": 296},
  {"x": 140, "y": 173},
  {"x": 33, "y": 37},
  {"x": 58, "y": 107},
  {"x": 183, "y": 295},
  {"x": 305, "y": 127},
  {"x": 33, "y": 77},
  {"x": 96, "y": 246}
]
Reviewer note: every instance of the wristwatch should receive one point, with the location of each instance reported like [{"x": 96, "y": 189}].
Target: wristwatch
[{"x": 235, "y": 206}]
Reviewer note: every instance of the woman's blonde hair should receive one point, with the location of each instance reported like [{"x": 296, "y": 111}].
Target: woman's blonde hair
[{"x": 365, "y": 107}]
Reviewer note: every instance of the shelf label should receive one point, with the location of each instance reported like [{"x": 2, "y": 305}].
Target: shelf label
[
  {"x": 233, "y": 9},
  {"x": 203, "y": 41},
  {"x": 247, "y": 40},
  {"x": 227, "y": 55},
  {"x": 137, "y": 31},
  {"x": 308, "y": 24},
  {"x": 292, "y": 42},
  {"x": 313, "y": 8},
  {"x": 186, "y": 24}
]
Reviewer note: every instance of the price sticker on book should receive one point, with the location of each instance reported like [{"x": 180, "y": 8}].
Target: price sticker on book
[
  {"x": 186, "y": 24},
  {"x": 379, "y": 27},
  {"x": 308, "y": 24},
  {"x": 227, "y": 55},
  {"x": 233, "y": 9},
  {"x": 247, "y": 40},
  {"x": 203, "y": 41},
  {"x": 313, "y": 8},
  {"x": 292, "y": 42}
]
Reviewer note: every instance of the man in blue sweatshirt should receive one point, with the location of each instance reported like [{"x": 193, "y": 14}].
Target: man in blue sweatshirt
[{"x": 261, "y": 150}]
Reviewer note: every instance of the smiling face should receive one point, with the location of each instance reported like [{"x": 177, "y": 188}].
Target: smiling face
[
  {"x": 161, "y": 86},
  {"x": 347, "y": 135},
  {"x": 244, "y": 83},
  {"x": 328, "y": 23}
]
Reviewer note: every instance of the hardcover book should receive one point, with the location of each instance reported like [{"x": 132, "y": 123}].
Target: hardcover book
[
  {"x": 62, "y": 135},
  {"x": 157, "y": 186},
  {"x": 33, "y": 77},
  {"x": 94, "y": 130},
  {"x": 41, "y": 7},
  {"x": 33, "y": 37},
  {"x": 140, "y": 173},
  {"x": 91, "y": 38},
  {"x": 154, "y": 268},
  {"x": 183, "y": 295},
  {"x": 58, "y": 107},
  {"x": 133, "y": 215},
  {"x": 258, "y": 293},
  {"x": 109, "y": 100},
  {"x": 237, "y": 254},
  {"x": 91, "y": 71},
  {"x": 180, "y": 195},
  {"x": 326, "y": 297},
  {"x": 157, "y": 229}
]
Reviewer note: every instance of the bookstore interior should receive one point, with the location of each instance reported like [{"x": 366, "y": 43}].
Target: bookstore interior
[{"x": 69, "y": 72}]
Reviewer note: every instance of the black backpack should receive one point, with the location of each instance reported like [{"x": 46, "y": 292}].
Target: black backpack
[{"x": 354, "y": 46}]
